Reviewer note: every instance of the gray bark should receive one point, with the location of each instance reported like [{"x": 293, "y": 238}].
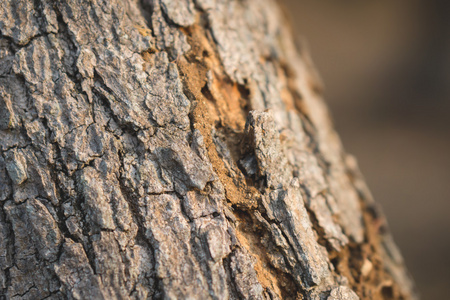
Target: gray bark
[{"x": 176, "y": 149}]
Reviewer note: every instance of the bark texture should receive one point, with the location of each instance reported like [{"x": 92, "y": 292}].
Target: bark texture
[{"x": 176, "y": 149}]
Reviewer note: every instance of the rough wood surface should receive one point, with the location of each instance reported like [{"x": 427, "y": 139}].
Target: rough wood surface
[{"x": 176, "y": 149}]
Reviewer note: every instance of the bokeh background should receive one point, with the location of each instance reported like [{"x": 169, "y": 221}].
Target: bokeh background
[{"x": 386, "y": 69}]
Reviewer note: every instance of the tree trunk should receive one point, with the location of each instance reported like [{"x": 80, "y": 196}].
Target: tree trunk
[{"x": 176, "y": 149}]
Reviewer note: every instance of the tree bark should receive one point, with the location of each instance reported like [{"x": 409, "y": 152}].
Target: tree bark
[{"x": 176, "y": 149}]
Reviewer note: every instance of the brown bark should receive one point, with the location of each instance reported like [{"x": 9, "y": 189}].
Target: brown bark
[{"x": 176, "y": 149}]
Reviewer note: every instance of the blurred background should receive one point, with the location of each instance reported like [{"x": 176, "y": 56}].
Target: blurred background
[{"x": 386, "y": 69}]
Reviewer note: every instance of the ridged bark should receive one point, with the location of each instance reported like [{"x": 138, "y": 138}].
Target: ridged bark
[{"x": 176, "y": 149}]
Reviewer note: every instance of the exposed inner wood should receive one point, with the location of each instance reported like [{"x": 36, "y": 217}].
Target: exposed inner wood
[{"x": 224, "y": 106}]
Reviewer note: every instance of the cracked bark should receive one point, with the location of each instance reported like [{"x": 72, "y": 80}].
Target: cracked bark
[{"x": 176, "y": 149}]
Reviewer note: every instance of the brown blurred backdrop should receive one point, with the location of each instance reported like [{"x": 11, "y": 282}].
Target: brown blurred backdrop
[{"x": 386, "y": 69}]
